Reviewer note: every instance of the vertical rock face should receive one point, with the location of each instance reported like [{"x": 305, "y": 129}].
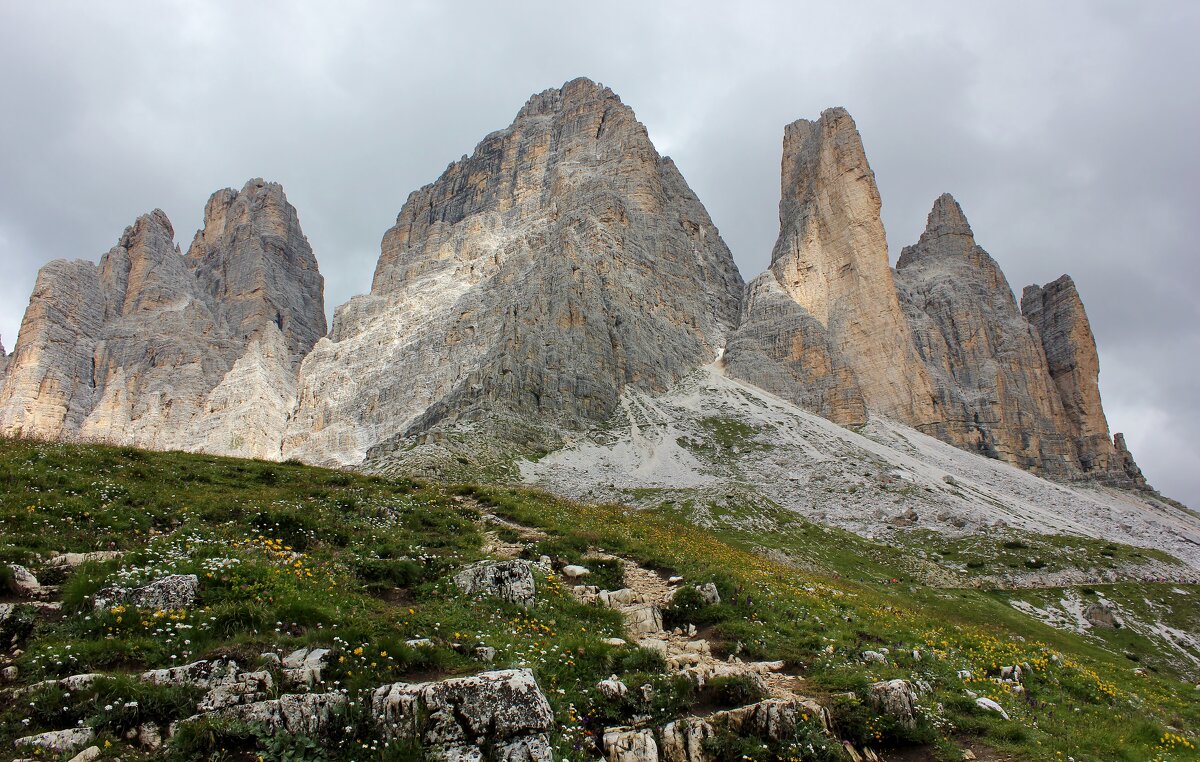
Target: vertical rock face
[
  {"x": 254, "y": 261},
  {"x": 156, "y": 350},
  {"x": 783, "y": 349},
  {"x": 831, "y": 257},
  {"x": 561, "y": 261},
  {"x": 986, "y": 362},
  {"x": 1057, "y": 312}
]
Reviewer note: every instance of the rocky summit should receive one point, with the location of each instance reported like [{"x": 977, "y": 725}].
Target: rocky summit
[{"x": 561, "y": 262}]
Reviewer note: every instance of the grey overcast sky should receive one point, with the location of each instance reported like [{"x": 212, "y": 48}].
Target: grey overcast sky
[{"x": 1068, "y": 131}]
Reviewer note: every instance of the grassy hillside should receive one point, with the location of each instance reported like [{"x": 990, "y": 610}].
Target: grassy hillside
[{"x": 290, "y": 555}]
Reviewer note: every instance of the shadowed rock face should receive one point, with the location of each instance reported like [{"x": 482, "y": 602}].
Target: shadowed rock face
[
  {"x": 256, "y": 263},
  {"x": 985, "y": 360},
  {"x": 560, "y": 262},
  {"x": 783, "y": 349},
  {"x": 153, "y": 349}
]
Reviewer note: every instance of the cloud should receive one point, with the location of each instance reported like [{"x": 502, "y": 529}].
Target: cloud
[{"x": 1065, "y": 130}]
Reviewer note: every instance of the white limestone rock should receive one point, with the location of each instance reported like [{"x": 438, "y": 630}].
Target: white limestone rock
[
  {"x": 510, "y": 581},
  {"x": 178, "y": 591}
]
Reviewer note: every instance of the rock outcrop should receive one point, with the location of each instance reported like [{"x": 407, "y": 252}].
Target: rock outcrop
[
  {"x": 154, "y": 349},
  {"x": 986, "y": 362},
  {"x": 503, "y": 714},
  {"x": 535, "y": 279}
]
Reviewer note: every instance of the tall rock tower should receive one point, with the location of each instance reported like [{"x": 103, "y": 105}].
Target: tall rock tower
[
  {"x": 1056, "y": 312},
  {"x": 831, "y": 257},
  {"x": 986, "y": 361}
]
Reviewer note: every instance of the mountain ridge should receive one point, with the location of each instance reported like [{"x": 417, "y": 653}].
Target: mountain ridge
[{"x": 520, "y": 294}]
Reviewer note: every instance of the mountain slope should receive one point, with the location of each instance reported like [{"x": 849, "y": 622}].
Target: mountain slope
[
  {"x": 353, "y": 579},
  {"x": 717, "y": 440}
]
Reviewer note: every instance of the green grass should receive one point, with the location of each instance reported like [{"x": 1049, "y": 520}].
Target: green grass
[{"x": 290, "y": 556}]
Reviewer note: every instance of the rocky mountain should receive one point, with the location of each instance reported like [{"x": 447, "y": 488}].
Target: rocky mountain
[
  {"x": 989, "y": 371},
  {"x": 158, "y": 350},
  {"x": 526, "y": 288},
  {"x": 523, "y": 296}
]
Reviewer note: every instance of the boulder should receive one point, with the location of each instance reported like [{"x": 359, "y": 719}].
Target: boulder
[
  {"x": 177, "y": 591},
  {"x": 986, "y": 703},
  {"x": 57, "y": 741},
  {"x": 573, "y": 571},
  {"x": 75, "y": 560},
  {"x": 612, "y": 688},
  {"x": 504, "y": 709},
  {"x": 683, "y": 740},
  {"x": 630, "y": 745},
  {"x": 1100, "y": 615},
  {"x": 87, "y": 755},
  {"x": 771, "y": 720},
  {"x": 23, "y": 582},
  {"x": 510, "y": 581},
  {"x": 308, "y": 714},
  {"x": 896, "y": 699},
  {"x": 303, "y": 666},
  {"x": 226, "y": 683}
]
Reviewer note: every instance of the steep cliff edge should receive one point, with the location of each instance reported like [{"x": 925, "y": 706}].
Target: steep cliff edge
[
  {"x": 1056, "y": 311},
  {"x": 831, "y": 257},
  {"x": 528, "y": 286}
]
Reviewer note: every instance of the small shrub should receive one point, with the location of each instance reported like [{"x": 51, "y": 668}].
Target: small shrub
[{"x": 735, "y": 690}]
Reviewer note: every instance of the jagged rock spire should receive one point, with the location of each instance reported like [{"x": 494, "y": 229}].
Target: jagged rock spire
[
  {"x": 1056, "y": 311},
  {"x": 832, "y": 258},
  {"x": 986, "y": 362},
  {"x": 254, "y": 259}
]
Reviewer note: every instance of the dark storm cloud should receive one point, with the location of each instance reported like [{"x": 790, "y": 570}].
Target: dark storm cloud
[{"x": 1066, "y": 131}]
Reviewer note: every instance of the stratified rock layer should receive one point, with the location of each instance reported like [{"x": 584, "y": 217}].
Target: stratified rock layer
[
  {"x": 537, "y": 278},
  {"x": 985, "y": 360},
  {"x": 153, "y": 349}
]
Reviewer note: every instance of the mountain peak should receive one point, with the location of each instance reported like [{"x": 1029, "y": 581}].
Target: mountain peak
[
  {"x": 947, "y": 217},
  {"x": 576, "y": 92}
]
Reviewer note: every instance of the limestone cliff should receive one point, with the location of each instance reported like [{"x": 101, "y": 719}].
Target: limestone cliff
[
  {"x": 986, "y": 362},
  {"x": 559, "y": 263},
  {"x": 1057, "y": 313},
  {"x": 831, "y": 257},
  {"x": 781, "y": 348},
  {"x": 255, "y": 262},
  {"x": 823, "y": 326},
  {"x": 153, "y": 349}
]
